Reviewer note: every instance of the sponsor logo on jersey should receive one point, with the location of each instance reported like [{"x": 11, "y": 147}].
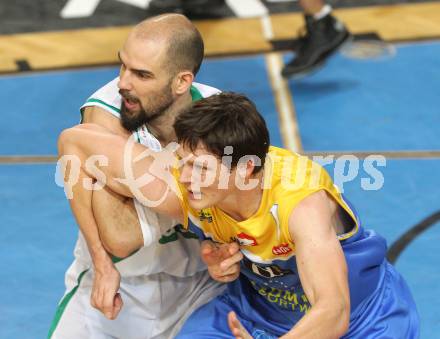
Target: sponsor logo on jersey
[
  {"x": 246, "y": 240},
  {"x": 173, "y": 234},
  {"x": 205, "y": 215},
  {"x": 281, "y": 249},
  {"x": 266, "y": 271}
]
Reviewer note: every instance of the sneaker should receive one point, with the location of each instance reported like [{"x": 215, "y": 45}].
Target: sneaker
[
  {"x": 206, "y": 9},
  {"x": 157, "y": 7},
  {"x": 322, "y": 38}
]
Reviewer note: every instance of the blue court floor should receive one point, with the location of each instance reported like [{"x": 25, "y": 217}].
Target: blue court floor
[{"x": 349, "y": 106}]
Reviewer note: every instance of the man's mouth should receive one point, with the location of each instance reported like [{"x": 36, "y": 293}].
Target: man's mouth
[
  {"x": 194, "y": 195},
  {"x": 130, "y": 103}
]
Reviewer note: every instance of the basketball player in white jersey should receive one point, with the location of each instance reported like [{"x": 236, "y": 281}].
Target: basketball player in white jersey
[{"x": 161, "y": 280}]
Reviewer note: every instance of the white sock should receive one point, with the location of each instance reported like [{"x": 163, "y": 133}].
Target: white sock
[{"x": 325, "y": 10}]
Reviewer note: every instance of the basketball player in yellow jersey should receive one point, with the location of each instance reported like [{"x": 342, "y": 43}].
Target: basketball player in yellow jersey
[{"x": 310, "y": 270}]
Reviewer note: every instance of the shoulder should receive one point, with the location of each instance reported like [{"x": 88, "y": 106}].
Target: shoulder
[
  {"x": 314, "y": 202},
  {"x": 295, "y": 180},
  {"x": 107, "y": 98}
]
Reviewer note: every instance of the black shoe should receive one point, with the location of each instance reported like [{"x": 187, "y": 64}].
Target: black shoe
[
  {"x": 205, "y": 9},
  {"x": 322, "y": 38},
  {"x": 157, "y": 7}
]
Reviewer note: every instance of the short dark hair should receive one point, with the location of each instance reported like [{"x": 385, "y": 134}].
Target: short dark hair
[
  {"x": 185, "y": 50},
  {"x": 225, "y": 119}
]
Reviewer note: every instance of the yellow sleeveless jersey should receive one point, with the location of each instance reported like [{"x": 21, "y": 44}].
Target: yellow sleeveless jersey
[{"x": 265, "y": 237}]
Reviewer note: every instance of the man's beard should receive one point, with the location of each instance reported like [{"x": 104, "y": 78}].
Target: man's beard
[{"x": 132, "y": 122}]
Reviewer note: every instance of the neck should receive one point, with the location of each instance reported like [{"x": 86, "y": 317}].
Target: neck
[
  {"x": 162, "y": 127},
  {"x": 243, "y": 204}
]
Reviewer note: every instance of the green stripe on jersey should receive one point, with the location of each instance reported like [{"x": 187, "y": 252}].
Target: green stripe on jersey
[
  {"x": 117, "y": 110},
  {"x": 195, "y": 93},
  {"x": 63, "y": 304},
  {"x": 116, "y": 259}
]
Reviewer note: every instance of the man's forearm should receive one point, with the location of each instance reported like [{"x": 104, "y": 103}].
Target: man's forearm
[
  {"x": 323, "y": 322},
  {"x": 81, "y": 205},
  {"x": 118, "y": 222},
  {"x": 106, "y": 279}
]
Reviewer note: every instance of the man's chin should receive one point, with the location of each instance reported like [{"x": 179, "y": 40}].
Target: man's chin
[
  {"x": 197, "y": 202},
  {"x": 130, "y": 125},
  {"x": 130, "y": 120}
]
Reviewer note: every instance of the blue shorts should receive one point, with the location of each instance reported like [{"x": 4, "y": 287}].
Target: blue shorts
[
  {"x": 390, "y": 312},
  {"x": 211, "y": 321}
]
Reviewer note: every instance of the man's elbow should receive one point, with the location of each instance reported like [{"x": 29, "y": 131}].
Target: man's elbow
[
  {"x": 342, "y": 317},
  {"x": 335, "y": 315},
  {"x": 120, "y": 249},
  {"x": 121, "y": 243},
  {"x": 64, "y": 141}
]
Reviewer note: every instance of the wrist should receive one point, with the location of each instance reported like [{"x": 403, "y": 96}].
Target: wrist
[{"x": 100, "y": 257}]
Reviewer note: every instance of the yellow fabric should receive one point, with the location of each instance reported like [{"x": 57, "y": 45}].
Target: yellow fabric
[{"x": 288, "y": 179}]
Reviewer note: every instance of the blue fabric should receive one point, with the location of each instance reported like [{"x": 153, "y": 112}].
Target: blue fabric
[
  {"x": 211, "y": 320},
  {"x": 389, "y": 313},
  {"x": 381, "y": 303}
]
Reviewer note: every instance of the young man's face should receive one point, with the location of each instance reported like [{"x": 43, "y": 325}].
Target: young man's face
[
  {"x": 207, "y": 180},
  {"x": 145, "y": 84}
]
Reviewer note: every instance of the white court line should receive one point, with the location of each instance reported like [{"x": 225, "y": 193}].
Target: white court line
[
  {"x": 85, "y": 8},
  {"x": 267, "y": 27},
  {"x": 79, "y": 8},
  {"x": 283, "y": 97},
  {"x": 137, "y": 3},
  {"x": 247, "y": 8}
]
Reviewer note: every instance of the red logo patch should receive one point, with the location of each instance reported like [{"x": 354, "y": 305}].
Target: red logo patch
[
  {"x": 246, "y": 240},
  {"x": 281, "y": 249}
]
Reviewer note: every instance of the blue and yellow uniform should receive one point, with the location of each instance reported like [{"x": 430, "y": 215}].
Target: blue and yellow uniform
[{"x": 268, "y": 297}]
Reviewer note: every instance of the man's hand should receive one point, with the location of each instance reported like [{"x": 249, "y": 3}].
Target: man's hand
[
  {"x": 105, "y": 296},
  {"x": 223, "y": 260},
  {"x": 237, "y": 329}
]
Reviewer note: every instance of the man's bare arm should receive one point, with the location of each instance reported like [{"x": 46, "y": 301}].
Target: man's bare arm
[
  {"x": 322, "y": 269},
  {"x": 106, "y": 278},
  {"x": 99, "y": 116},
  {"x": 119, "y": 227},
  {"x": 157, "y": 192},
  {"x": 115, "y": 215}
]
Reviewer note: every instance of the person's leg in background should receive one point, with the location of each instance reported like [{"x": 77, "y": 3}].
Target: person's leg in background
[{"x": 324, "y": 35}]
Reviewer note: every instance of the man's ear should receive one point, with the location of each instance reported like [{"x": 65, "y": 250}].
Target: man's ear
[
  {"x": 250, "y": 166},
  {"x": 246, "y": 169},
  {"x": 183, "y": 82}
]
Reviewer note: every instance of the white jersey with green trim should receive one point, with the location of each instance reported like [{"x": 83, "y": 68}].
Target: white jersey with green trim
[{"x": 161, "y": 284}]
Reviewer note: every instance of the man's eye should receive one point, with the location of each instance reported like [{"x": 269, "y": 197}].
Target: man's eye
[
  {"x": 143, "y": 75},
  {"x": 199, "y": 167}
]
